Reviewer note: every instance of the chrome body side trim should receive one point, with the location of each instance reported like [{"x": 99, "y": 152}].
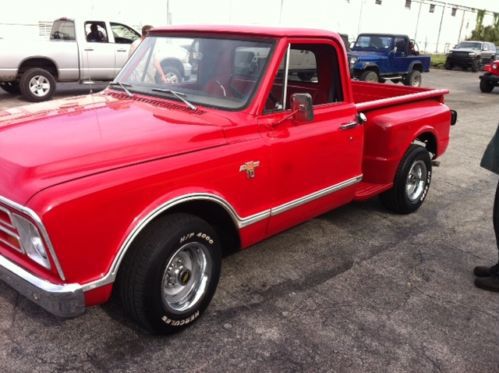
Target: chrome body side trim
[
  {"x": 240, "y": 222},
  {"x": 313, "y": 196},
  {"x": 41, "y": 228},
  {"x": 61, "y": 300}
]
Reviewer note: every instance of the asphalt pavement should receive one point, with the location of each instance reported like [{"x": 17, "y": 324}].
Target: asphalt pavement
[{"x": 355, "y": 290}]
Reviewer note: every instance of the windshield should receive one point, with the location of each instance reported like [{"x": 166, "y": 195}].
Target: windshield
[
  {"x": 468, "y": 45},
  {"x": 378, "y": 43},
  {"x": 214, "y": 72}
]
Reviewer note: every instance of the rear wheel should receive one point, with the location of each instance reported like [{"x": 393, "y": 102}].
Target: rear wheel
[
  {"x": 170, "y": 274},
  {"x": 475, "y": 66},
  {"x": 369, "y": 76},
  {"x": 413, "y": 78},
  {"x": 486, "y": 86},
  {"x": 411, "y": 183},
  {"x": 10, "y": 87},
  {"x": 37, "y": 85}
]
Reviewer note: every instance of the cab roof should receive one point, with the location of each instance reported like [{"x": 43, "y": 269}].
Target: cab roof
[{"x": 272, "y": 32}]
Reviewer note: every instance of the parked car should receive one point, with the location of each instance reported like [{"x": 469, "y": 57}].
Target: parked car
[
  {"x": 490, "y": 79},
  {"x": 470, "y": 54},
  {"x": 73, "y": 54},
  {"x": 380, "y": 57},
  {"x": 141, "y": 187}
]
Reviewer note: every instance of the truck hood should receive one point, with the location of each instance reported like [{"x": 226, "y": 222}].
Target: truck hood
[{"x": 50, "y": 143}]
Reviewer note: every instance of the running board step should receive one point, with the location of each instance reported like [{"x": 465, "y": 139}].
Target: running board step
[{"x": 368, "y": 190}]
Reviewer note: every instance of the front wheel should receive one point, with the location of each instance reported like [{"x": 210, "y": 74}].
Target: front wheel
[
  {"x": 411, "y": 183},
  {"x": 171, "y": 272},
  {"x": 370, "y": 76},
  {"x": 37, "y": 85},
  {"x": 448, "y": 65},
  {"x": 413, "y": 78},
  {"x": 475, "y": 66},
  {"x": 486, "y": 86}
]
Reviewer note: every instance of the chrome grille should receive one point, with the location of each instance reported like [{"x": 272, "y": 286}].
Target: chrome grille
[{"x": 8, "y": 233}]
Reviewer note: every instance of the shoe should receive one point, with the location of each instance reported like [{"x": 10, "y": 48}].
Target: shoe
[
  {"x": 488, "y": 283},
  {"x": 482, "y": 271}
]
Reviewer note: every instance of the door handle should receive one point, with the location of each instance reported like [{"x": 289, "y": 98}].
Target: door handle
[
  {"x": 349, "y": 125},
  {"x": 88, "y": 50},
  {"x": 121, "y": 50}
]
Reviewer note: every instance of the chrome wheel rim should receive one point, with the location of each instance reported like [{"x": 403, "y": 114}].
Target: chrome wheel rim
[
  {"x": 172, "y": 78},
  {"x": 416, "y": 81},
  {"x": 416, "y": 181},
  {"x": 186, "y": 277},
  {"x": 39, "y": 85}
]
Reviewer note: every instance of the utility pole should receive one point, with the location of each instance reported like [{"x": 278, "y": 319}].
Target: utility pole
[
  {"x": 440, "y": 27},
  {"x": 168, "y": 14},
  {"x": 461, "y": 28},
  {"x": 360, "y": 16},
  {"x": 417, "y": 21}
]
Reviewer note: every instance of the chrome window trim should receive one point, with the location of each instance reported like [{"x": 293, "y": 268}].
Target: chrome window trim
[
  {"x": 110, "y": 276},
  {"x": 41, "y": 228}
]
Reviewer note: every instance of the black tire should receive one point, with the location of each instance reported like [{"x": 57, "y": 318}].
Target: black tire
[
  {"x": 398, "y": 198},
  {"x": 369, "y": 76},
  {"x": 413, "y": 79},
  {"x": 486, "y": 86},
  {"x": 147, "y": 270},
  {"x": 448, "y": 65},
  {"x": 37, "y": 77},
  {"x": 475, "y": 66},
  {"x": 10, "y": 87}
]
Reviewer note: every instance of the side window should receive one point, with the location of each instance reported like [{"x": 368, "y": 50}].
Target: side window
[
  {"x": 96, "y": 32},
  {"x": 123, "y": 34},
  {"x": 63, "y": 30},
  {"x": 313, "y": 69},
  {"x": 400, "y": 46}
]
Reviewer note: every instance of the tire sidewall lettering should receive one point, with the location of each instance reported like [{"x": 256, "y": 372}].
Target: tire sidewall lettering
[{"x": 202, "y": 236}]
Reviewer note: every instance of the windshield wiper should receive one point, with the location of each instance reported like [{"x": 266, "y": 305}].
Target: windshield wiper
[
  {"x": 179, "y": 95},
  {"x": 123, "y": 86}
]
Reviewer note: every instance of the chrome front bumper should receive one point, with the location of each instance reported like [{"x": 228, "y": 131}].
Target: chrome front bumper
[{"x": 61, "y": 300}]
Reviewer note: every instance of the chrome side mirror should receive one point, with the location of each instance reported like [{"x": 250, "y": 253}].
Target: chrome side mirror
[{"x": 301, "y": 106}]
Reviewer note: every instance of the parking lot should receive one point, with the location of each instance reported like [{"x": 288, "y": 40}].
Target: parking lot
[{"x": 356, "y": 289}]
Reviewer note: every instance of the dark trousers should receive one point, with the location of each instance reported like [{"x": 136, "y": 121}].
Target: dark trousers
[{"x": 495, "y": 216}]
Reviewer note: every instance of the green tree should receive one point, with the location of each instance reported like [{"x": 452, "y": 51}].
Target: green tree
[{"x": 487, "y": 33}]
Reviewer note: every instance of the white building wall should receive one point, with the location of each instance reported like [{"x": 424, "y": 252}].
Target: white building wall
[{"x": 431, "y": 31}]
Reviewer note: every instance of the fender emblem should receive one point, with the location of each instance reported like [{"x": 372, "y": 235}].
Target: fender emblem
[{"x": 249, "y": 168}]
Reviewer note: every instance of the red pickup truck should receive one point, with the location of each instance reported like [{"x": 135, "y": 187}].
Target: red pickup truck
[{"x": 141, "y": 188}]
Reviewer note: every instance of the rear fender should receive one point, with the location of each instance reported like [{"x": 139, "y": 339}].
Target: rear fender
[{"x": 390, "y": 132}]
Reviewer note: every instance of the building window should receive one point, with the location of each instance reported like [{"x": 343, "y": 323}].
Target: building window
[
  {"x": 432, "y": 8},
  {"x": 454, "y": 11},
  {"x": 378, "y": 2},
  {"x": 408, "y": 4}
]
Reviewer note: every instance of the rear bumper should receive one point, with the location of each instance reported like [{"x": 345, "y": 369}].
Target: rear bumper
[{"x": 65, "y": 300}]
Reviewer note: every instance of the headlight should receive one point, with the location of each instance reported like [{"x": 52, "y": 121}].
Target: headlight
[
  {"x": 494, "y": 66},
  {"x": 31, "y": 240},
  {"x": 472, "y": 54},
  {"x": 353, "y": 60}
]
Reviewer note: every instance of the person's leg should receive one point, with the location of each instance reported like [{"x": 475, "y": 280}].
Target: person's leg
[{"x": 489, "y": 276}]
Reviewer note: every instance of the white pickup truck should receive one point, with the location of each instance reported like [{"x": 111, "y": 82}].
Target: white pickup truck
[{"x": 78, "y": 50}]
